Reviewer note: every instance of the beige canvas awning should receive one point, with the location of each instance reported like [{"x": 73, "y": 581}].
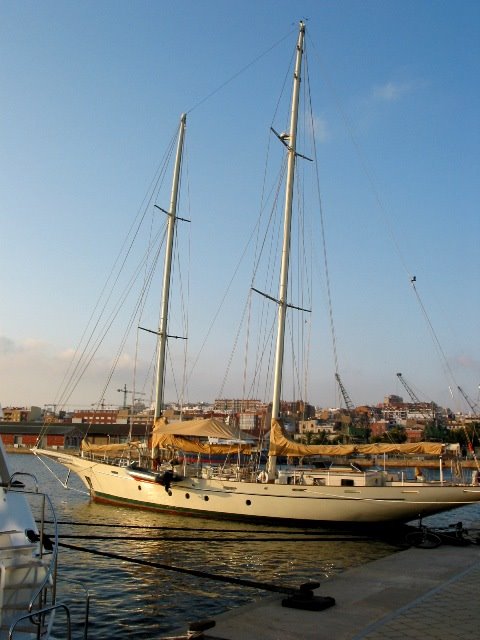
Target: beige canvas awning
[
  {"x": 118, "y": 448},
  {"x": 173, "y": 442},
  {"x": 202, "y": 427},
  {"x": 185, "y": 436},
  {"x": 280, "y": 445}
]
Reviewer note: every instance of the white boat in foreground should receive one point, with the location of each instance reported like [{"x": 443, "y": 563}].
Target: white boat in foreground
[
  {"x": 305, "y": 495},
  {"x": 29, "y": 600}
]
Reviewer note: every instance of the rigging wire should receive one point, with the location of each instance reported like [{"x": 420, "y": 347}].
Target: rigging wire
[
  {"x": 223, "y": 299},
  {"x": 82, "y": 356},
  {"x": 141, "y": 312},
  {"x": 305, "y": 272},
  {"x": 64, "y": 483},
  {"x": 134, "y": 230},
  {"x": 238, "y": 73},
  {"x": 323, "y": 235},
  {"x": 249, "y": 240},
  {"x": 185, "y": 287},
  {"x": 323, "y": 230},
  {"x": 388, "y": 224},
  {"x": 232, "y": 352},
  {"x": 433, "y": 334},
  {"x": 364, "y": 163},
  {"x": 266, "y": 246},
  {"x": 113, "y": 315}
]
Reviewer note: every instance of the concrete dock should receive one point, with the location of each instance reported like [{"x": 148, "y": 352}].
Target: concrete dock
[{"x": 415, "y": 594}]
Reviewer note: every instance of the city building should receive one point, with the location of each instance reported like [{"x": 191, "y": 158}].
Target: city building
[{"x": 21, "y": 414}]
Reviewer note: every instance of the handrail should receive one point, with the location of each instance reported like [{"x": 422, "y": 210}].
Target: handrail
[
  {"x": 44, "y": 610},
  {"x": 51, "y": 570},
  {"x": 78, "y": 583},
  {"x": 22, "y": 473},
  {"x": 44, "y": 599},
  {"x": 53, "y": 562}
]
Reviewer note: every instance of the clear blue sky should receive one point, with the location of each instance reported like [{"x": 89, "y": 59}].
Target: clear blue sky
[{"x": 92, "y": 91}]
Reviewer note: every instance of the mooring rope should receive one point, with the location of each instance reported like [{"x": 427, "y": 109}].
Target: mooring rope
[
  {"x": 223, "y": 539},
  {"x": 286, "y": 531},
  {"x": 263, "y": 586}
]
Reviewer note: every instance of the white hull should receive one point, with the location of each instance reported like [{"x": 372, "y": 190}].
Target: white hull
[
  {"x": 28, "y": 560},
  {"x": 234, "y": 500}
]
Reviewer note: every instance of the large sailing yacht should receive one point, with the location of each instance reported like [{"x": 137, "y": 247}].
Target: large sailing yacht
[{"x": 242, "y": 490}]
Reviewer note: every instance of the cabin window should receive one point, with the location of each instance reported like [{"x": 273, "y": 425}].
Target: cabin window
[
  {"x": 187, "y": 496},
  {"x": 206, "y": 498},
  {"x": 248, "y": 502},
  {"x": 347, "y": 482},
  {"x": 139, "y": 487}
]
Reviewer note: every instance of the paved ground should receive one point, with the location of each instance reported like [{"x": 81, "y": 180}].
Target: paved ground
[{"x": 415, "y": 594}]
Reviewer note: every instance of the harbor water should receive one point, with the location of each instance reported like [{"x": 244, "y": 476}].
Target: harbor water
[{"x": 130, "y": 600}]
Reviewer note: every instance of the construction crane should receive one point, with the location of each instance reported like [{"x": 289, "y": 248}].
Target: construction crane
[
  {"x": 431, "y": 414},
  {"x": 350, "y": 408},
  {"x": 357, "y": 425},
  {"x": 125, "y": 391},
  {"x": 410, "y": 391},
  {"x": 348, "y": 403},
  {"x": 473, "y": 406}
]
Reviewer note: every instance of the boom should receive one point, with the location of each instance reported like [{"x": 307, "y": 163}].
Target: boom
[{"x": 410, "y": 391}]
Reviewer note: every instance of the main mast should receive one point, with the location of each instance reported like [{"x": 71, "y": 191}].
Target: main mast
[
  {"x": 167, "y": 269},
  {"x": 291, "y": 141}
]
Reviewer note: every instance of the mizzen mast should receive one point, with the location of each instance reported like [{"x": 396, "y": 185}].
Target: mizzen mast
[{"x": 172, "y": 217}]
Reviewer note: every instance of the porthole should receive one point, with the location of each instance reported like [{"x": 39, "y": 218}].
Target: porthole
[
  {"x": 187, "y": 496},
  {"x": 139, "y": 487},
  {"x": 206, "y": 498},
  {"x": 248, "y": 502}
]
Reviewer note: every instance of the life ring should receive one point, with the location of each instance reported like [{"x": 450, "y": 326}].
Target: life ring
[{"x": 263, "y": 477}]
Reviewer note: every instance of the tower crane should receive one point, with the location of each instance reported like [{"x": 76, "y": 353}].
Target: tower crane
[{"x": 125, "y": 391}]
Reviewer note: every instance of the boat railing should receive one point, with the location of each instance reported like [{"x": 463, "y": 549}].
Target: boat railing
[
  {"x": 219, "y": 472},
  {"x": 45, "y": 593},
  {"x": 117, "y": 461},
  {"x": 45, "y": 613},
  {"x": 86, "y": 595},
  {"x": 43, "y": 603}
]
